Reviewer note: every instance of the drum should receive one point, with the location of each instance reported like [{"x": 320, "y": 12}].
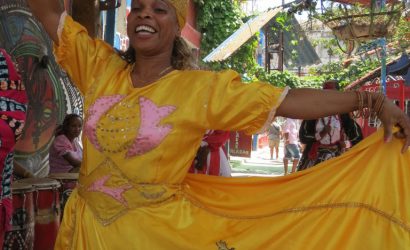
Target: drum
[
  {"x": 21, "y": 235},
  {"x": 46, "y": 210},
  {"x": 68, "y": 182}
]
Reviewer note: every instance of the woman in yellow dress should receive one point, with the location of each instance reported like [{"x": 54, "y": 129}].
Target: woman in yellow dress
[{"x": 146, "y": 107}]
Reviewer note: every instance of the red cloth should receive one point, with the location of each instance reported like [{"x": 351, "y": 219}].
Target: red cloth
[
  {"x": 12, "y": 118},
  {"x": 215, "y": 139}
]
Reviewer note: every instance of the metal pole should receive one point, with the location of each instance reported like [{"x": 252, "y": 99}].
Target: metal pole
[
  {"x": 110, "y": 27},
  {"x": 281, "y": 43},
  {"x": 281, "y": 49},
  {"x": 267, "y": 55},
  {"x": 383, "y": 54}
]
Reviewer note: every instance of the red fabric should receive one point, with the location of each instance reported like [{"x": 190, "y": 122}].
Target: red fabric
[
  {"x": 11, "y": 123},
  {"x": 313, "y": 150},
  {"x": 8, "y": 208},
  {"x": 215, "y": 140}
]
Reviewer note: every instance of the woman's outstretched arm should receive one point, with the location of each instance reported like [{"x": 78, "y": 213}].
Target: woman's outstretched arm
[
  {"x": 311, "y": 104},
  {"x": 48, "y": 12}
]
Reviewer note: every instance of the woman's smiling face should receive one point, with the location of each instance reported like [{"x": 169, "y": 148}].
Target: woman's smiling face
[{"x": 152, "y": 26}]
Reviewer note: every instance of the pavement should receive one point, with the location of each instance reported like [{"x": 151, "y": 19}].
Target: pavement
[{"x": 259, "y": 164}]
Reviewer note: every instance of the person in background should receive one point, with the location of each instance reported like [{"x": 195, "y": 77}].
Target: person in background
[
  {"x": 13, "y": 108},
  {"x": 65, "y": 152},
  {"x": 274, "y": 137},
  {"x": 147, "y": 111},
  {"x": 212, "y": 157},
  {"x": 327, "y": 137},
  {"x": 291, "y": 142}
]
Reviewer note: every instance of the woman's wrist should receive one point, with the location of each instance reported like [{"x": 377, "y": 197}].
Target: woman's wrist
[{"x": 369, "y": 103}]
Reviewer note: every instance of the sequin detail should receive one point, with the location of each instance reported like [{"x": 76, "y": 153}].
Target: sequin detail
[
  {"x": 150, "y": 133},
  {"x": 99, "y": 108},
  {"x": 115, "y": 192}
]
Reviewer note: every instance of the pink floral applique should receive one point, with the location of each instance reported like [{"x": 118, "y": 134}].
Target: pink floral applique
[
  {"x": 114, "y": 192},
  {"x": 95, "y": 111},
  {"x": 150, "y": 133}
]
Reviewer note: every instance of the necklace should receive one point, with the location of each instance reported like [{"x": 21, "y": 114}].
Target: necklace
[
  {"x": 165, "y": 71},
  {"x": 160, "y": 74}
]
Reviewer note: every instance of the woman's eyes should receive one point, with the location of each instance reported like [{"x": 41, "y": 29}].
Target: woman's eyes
[
  {"x": 156, "y": 10},
  {"x": 160, "y": 10}
]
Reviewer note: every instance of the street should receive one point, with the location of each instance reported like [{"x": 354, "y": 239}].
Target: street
[{"x": 259, "y": 164}]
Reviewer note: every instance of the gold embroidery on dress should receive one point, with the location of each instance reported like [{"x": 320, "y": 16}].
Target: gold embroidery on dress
[
  {"x": 404, "y": 225},
  {"x": 107, "y": 178},
  {"x": 222, "y": 245},
  {"x": 151, "y": 192},
  {"x": 117, "y": 128}
]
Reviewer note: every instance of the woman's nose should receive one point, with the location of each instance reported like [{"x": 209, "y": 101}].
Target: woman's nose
[{"x": 145, "y": 13}]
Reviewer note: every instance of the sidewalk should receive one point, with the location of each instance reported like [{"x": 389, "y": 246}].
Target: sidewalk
[{"x": 259, "y": 164}]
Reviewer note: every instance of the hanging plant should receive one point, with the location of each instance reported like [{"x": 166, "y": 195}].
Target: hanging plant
[{"x": 361, "y": 23}]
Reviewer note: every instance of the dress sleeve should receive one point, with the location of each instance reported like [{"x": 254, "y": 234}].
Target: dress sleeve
[
  {"x": 82, "y": 57},
  {"x": 62, "y": 146},
  {"x": 234, "y": 105}
]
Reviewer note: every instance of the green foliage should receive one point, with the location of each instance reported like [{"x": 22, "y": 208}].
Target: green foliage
[
  {"x": 402, "y": 34},
  {"x": 330, "y": 44},
  {"x": 278, "y": 78},
  {"x": 347, "y": 75},
  {"x": 217, "y": 20},
  {"x": 314, "y": 82},
  {"x": 282, "y": 22}
]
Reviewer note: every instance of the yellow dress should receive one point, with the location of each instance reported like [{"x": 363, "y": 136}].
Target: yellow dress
[{"x": 135, "y": 193}]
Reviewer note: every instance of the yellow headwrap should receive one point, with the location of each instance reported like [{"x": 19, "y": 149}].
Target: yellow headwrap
[{"x": 181, "y": 7}]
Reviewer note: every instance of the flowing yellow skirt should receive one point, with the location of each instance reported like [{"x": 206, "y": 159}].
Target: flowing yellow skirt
[{"x": 360, "y": 200}]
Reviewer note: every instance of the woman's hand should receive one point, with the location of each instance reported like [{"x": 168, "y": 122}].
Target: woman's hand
[{"x": 391, "y": 116}]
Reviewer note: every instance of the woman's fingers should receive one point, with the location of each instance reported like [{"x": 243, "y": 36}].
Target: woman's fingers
[
  {"x": 392, "y": 116},
  {"x": 387, "y": 132},
  {"x": 397, "y": 118},
  {"x": 400, "y": 135}
]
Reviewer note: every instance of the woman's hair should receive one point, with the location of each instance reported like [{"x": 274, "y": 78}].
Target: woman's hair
[
  {"x": 201, "y": 157},
  {"x": 63, "y": 128},
  {"x": 182, "y": 56}
]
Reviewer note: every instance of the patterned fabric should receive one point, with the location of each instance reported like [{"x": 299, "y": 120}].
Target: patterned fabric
[
  {"x": 13, "y": 107},
  {"x": 7, "y": 176},
  {"x": 4, "y": 70},
  {"x": 335, "y": 135},
  {"x": 316, "y": 151},
  {"x": 146, "y": 200}
]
